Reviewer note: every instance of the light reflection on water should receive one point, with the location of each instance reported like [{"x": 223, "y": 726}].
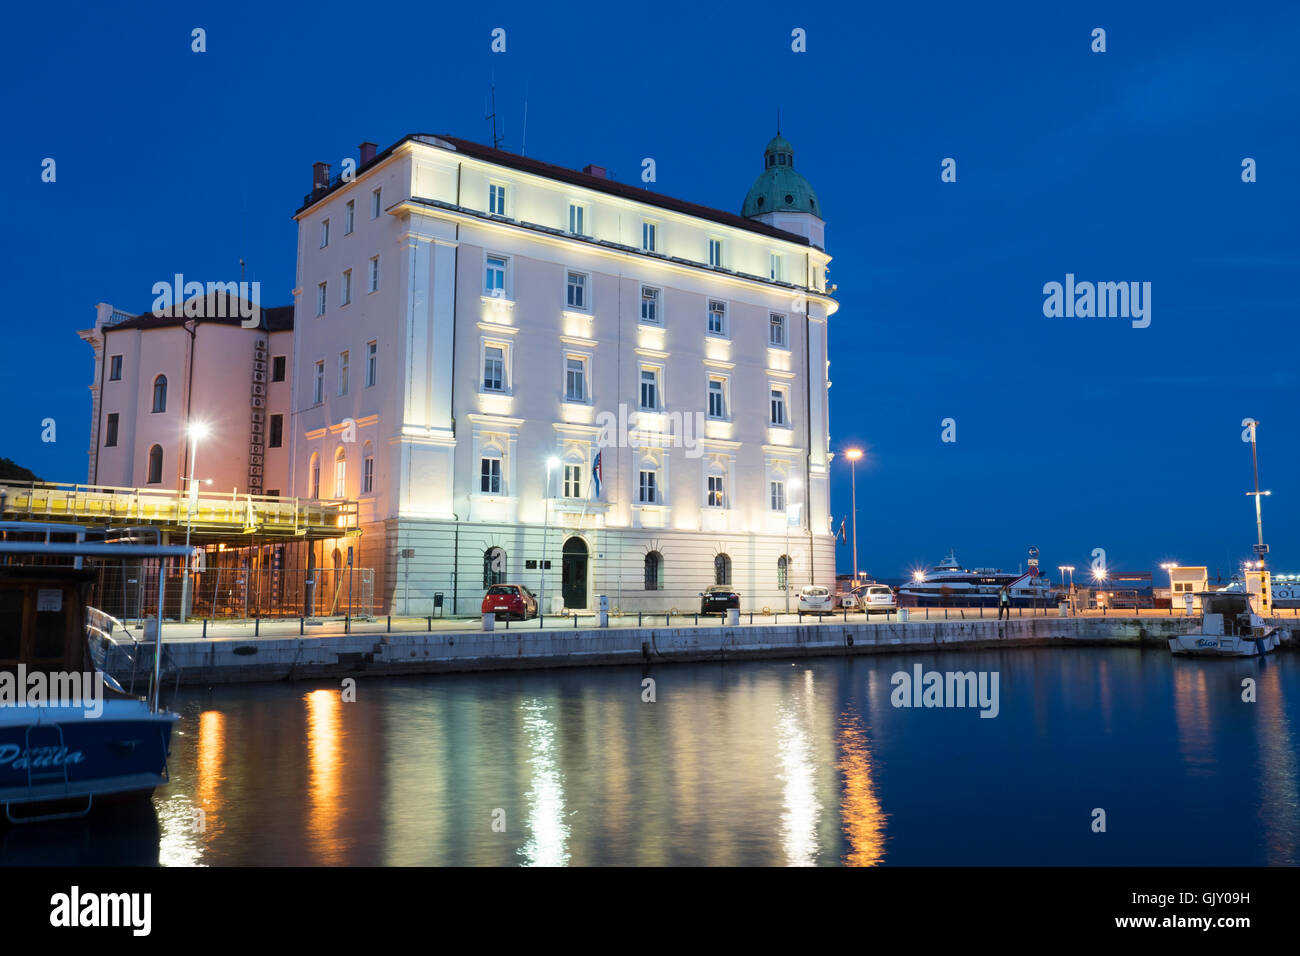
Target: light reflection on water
[{"x": 760, "y": 763}]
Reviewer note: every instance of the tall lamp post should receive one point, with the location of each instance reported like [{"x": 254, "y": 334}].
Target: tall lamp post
[
  {"x": 1169, "y": 566},
  {"x": 853, "y": 455},
  {"x": 1069, "y": 594},
  {"x": 546, "y": 527},
  {"x": 791, "y": 510},
  {"x": 195, "y": 430}
]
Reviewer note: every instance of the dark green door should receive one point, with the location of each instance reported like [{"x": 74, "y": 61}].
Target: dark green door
[{"x": 574, "y": 574}]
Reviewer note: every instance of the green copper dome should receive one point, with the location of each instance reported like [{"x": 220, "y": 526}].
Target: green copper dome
[{"x": 779, "y": 188}]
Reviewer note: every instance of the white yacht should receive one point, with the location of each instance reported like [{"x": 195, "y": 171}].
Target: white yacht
[{"x": 948, "y": 584}]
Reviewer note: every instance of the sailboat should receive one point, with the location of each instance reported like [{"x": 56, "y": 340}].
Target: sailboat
[{"x": 1234, "y": 621}]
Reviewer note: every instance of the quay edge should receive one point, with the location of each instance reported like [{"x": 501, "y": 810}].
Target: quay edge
[{"x": 236, "y": 660}]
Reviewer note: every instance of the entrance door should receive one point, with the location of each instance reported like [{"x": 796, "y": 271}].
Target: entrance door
[{"x": 574, "y": 586}]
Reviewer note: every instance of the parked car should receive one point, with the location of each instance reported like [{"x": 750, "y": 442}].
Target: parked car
[
  {"x": 877, "y": 598},
  {"x": 849, "y": 601},
  {"x": 510, "y": 600},
  {"x": 815, "y": 599},
  {"x": 719, "y": 599}
]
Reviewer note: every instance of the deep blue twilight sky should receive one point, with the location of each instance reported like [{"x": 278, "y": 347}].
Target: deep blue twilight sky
[{"x": 1072, "y": 434}]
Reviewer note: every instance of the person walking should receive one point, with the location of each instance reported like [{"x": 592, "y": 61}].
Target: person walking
[{"x": 1004, "y": 604}]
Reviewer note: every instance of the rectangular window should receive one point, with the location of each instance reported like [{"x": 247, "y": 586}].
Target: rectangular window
[
  {"x": 372, "y": 363},
  {"x": 115, "y": 369},
  {"x": 275, "y": 438},
  {"x": 497, "y": 199},
  {"x": 349, "y": 214},
  {"x": 576, "y": 215},
  {"x": 374, "y": 274},
  {"x": 318, "y": 386},
  {"x": 368, "y": 474},
  {"x": 576, "y": 294},
  {"x": 717, "y": 317},
  {"x": 494, "y": 369},
  {"x": 778, "y": 406},
  {"x": 277, "y": 368},
  {"x": 110, "y": 431},
  {"x": 774, "y": 266},
  {"x": 494, "y": 279},
  {"x": 573, "y": 481},
  {"x": 321, "y": 298},
  {"x": 374, "y": 204},
  {"x": 649, "y": 305},
  {"x": 490, "y": 476},
  {"x": 717, "y": 496},
  {"x": 776, "y": 330},
  {"x": 346, "y": 296},
  {"x": 575, "y": 379},
  {"x": 650, "y": 388},
  {"x": 648, "y": 490},
  {"x": 776, "y": 495},
  {"x": 324, "y": 233},
  {"x": 717, "y": 398},
  {"x": 649, "y": 236},
  {"x": 340, "y": 477},
  {"x": 343, "y": 373},
  {"x": 715, "y": 253}
]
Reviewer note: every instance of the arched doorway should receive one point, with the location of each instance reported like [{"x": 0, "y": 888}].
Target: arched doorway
[{"x": 574, "y": 574}]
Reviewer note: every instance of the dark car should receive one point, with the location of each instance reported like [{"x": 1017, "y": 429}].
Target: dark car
[
  {"x": 719, "y": 599},
  {"x": 510, "y": 600}
]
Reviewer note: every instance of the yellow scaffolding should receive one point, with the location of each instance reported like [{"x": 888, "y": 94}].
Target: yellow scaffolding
[{"x": 207, "y": 514}]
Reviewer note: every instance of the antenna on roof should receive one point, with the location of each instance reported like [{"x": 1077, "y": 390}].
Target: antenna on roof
[
  {"x": 241, "y": 269},
  {"x": 496, "y": 140},
  {"x": 778, "y": 121}
]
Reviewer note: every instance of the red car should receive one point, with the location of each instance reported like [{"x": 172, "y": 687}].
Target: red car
[{"x": 510, "y": 600}]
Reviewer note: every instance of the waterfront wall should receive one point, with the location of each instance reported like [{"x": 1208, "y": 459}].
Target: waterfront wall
[{"x": 234, "y": 660}]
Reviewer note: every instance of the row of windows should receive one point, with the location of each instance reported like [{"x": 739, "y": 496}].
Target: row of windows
[
  {"x": 160, "y": 382},
  {"x": 345, "y": 287},
  {"x": 496, "y": 569},
  {"x": 577, "y": 296},
  {"x": 341, "y": 472},
  {"x": 577, "y": 376},
  {"x": 349, "y": 217},
  {"x": 344, "y": 368},
  {"x": 649, "y": 485},
  {"x": 579, "y": 219}
]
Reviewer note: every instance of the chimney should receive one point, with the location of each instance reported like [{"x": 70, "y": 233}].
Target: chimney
[
  {"x": 598, "y": 171},
  {"x": 320, "y": 176},
  {"x": 367, "y": 152}
]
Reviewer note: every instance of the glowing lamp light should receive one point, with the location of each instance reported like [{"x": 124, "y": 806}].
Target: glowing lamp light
[
  {"x": 853, "y": 454},
  {"x": 918, "y": 575},
  {"x": 198, "y": 430}
]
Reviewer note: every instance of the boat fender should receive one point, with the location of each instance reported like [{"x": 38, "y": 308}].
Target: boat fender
[{"x": 244, "y": 650}]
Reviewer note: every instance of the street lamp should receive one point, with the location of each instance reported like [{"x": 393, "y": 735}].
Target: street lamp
[
  {"x": 551, "y": 464},
  {"x": 1068, "y": 568},
  {"x": 790, "y": 510},
  {"x": 195, "y": 430},
  {"x": 853, "y": 455}
]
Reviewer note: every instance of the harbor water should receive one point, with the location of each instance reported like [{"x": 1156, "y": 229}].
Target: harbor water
[{"x": 766, "y": 763}]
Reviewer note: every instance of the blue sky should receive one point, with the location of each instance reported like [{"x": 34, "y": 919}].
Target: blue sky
[{"x": 1072, "y": 434}]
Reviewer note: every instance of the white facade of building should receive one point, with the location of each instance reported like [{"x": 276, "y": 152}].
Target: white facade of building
[{"x": 465, "y": 316}]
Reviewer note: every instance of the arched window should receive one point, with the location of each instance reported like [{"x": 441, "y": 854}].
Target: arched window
[
  {"x": 340, "y": 473},
  {"x": 783, "y": 572},
  {"x": 654, "y": 571},
  {"x": 160, "y": 393},
  {"x": 494, "y": 567},
  {"x": 314, "y": 476},
  {"x": 722, "y": 569},
  {"x": 155, "y": 465}
]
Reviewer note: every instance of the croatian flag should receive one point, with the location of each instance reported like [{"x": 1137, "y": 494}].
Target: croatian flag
[{"x": 598, "y": 473}]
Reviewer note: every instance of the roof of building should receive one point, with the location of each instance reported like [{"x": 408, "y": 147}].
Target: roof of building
[
  {"x": 571, "y": 176},
  {"x": 218, "y": 309},
  {"x": 778, "y": 187}
]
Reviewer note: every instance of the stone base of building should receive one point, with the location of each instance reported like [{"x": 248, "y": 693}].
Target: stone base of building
[{"x": 415, "y": 560}]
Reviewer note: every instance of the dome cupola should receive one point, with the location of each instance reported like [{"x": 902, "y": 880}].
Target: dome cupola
[{"x": 778, "y": 188}]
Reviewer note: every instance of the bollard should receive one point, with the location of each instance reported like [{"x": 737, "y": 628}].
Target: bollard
[
  {"x": 575, "y": 622},
  {"x": 665, "y": 620},
  {"x": 257, "y": 626},
  {"x": 390, "y": 625},
  {"x": 751, "y": 617},
  {"x": 638, "y": 618},
  {"x": 945, "y": 614},
  {"x": 300, "y": 624},
  {"x": 1020, "y": 612},
  {"x": 541, "y": 621},
  {"x": 205, "y": 627},
  {"x": 697, "y": 620},
  {"x": 927, "y": 614},
  {"x": 430, "y": 620}
]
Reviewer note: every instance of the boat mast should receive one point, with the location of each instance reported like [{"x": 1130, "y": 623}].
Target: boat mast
[{"x": 1261, "y": 548}]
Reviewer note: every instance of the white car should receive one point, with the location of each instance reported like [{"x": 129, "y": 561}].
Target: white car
[
  {"x": 876, "y": 598},
  {"x": 815, "y": 599},
  {"x": 849, "y": 600}
]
